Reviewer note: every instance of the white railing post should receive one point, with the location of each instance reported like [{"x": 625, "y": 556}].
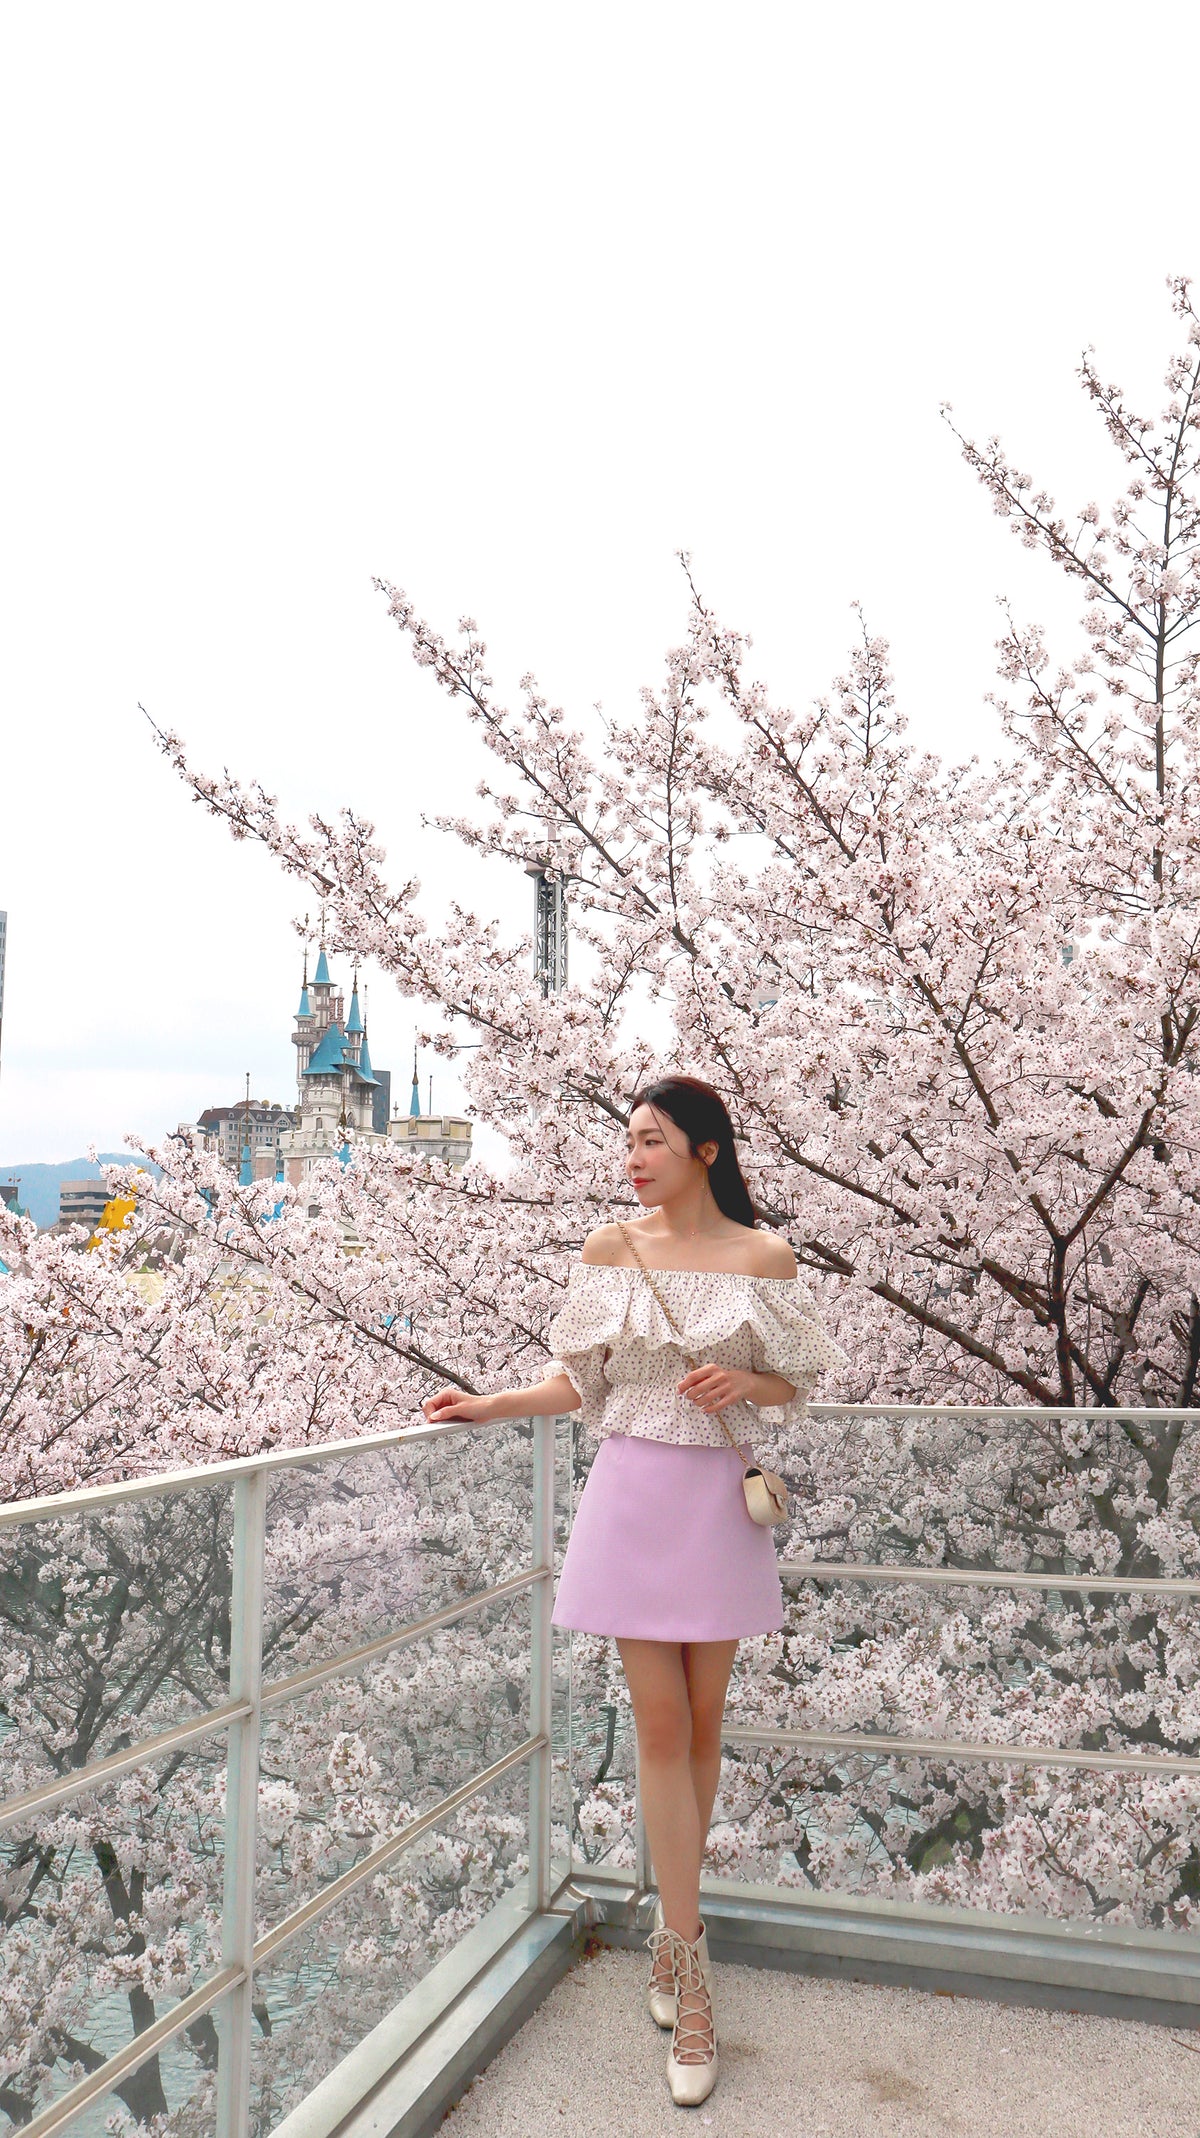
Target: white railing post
[
  {"x": 235, "y": 2014},
  {"x": 643, "y": 1870},
  {"x": 541, "y": 1675}
]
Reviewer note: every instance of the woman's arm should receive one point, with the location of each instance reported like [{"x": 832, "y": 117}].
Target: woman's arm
[{"x": 546, "y": 1399}]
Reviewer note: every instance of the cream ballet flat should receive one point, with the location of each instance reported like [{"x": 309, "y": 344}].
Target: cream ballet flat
[
  {"x": 660, "y": 2002},
  {"x": 692, "y": 2062}
]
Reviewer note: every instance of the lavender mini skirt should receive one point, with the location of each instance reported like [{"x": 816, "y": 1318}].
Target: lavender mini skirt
[{"x": 663, "y": 1549}]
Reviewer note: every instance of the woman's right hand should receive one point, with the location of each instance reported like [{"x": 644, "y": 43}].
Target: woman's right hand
[{"x": 455, "y": 1403}]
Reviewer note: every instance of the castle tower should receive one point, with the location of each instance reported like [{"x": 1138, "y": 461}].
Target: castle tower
[
  {"x": 354, "y": 1025},
  {"x": 304, "y": 1036}
]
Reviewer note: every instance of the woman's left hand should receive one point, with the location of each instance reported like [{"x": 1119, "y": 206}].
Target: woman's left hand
[{"x": 713, "y": 1388}]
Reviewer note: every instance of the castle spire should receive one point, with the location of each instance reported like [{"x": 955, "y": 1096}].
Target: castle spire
[{"x": 414, "y": 1104}]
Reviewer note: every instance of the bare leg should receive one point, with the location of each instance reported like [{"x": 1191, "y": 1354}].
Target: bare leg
[
  {"x": 663, "y": 1716},
  {"x": 678, "y": 1693},
  {"x": 708, "y": 1666}
]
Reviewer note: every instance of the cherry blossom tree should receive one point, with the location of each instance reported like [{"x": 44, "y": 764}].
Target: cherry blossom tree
[{"x": 953, "y": 1008}]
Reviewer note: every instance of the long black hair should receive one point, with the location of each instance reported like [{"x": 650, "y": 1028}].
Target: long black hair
[{"x": 700, "y": 1111}]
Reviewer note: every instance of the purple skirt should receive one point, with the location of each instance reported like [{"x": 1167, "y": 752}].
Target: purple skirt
[{"x": 663, "y": 1549}]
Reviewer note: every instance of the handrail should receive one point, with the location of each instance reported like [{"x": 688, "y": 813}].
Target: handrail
[
  {"x": 79, "y": 1781},
  {"x": 159, "y": 1483},
  {"x": 348, "y": 1659},
  {"x": 80, "y": 1501},
  {"x": 319, "y": 1904}
]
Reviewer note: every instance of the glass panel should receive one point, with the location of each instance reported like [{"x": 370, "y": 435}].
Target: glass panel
[
  {"x": 360, "y": 1546},
  {"x": 118, "y": 1627},
  {"x": 349, "y": 1763},
  {"x": 602, "y": 1746},
  {"x": 177, "y": 2085},
  {"x": 987, "y": 1665},
  {"x": 322, "y": 1995},
  {"x": 1040, "y": 1494},
  {"x": 112, "y": 1915},
  {"x": 1104, "y": 1850}
]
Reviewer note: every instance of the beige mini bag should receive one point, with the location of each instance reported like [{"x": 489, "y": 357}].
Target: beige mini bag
[{"x": 766, "y": 1492}]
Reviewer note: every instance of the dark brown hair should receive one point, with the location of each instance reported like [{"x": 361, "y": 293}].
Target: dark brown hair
[{"x": 700, "y": 1111}]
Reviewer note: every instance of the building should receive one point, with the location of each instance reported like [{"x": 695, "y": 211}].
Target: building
[
  {"x": 341, "y": 1098},
  {"x": 445, "y": 1136},
  {"x": 82, "y": 1202},
  {"x": 254, "y": 1126}
]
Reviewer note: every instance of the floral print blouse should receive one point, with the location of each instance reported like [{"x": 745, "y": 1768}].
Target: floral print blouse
[{"x": 617, "y": 1348}]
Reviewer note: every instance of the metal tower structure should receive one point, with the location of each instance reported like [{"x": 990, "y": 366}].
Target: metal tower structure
[{"x": 549, "y": 918}]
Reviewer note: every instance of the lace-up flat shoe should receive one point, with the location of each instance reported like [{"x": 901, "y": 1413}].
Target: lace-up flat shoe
[
  {"x": 692, "y": 2062},
  {"x": 660, "y": 1990}
]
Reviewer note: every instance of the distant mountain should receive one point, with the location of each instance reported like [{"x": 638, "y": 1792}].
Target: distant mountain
[{"x": 40, "y": 1183}]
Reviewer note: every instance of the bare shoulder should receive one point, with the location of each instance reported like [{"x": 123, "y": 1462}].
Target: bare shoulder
[
  {"x": 604, "y": 1245},
  {"x": 773, "y": 1257}
]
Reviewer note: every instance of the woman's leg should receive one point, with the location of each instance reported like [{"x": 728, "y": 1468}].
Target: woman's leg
[
  {"x": 678, "y": 1693},
  {"x": 663, "y": 1716},
  {"x": 707, "y": 1666}
]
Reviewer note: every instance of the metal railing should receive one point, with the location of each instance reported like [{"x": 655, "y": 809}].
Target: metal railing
[
  {"x": 1014, "y": 1753},
  {"x": 228, "y": 1993}
]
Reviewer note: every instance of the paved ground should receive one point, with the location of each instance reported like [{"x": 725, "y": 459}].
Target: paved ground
[{"x": 806, "y": 2058}]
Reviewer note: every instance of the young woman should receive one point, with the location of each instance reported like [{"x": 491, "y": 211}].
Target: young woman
[{"x": 664, "y": 1555}]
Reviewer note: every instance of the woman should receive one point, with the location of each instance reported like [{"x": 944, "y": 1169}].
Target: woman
[{"x": 664, "y": 1556}]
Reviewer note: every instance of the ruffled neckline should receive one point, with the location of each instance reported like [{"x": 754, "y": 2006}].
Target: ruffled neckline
[{"x": 634, "y": 1269}]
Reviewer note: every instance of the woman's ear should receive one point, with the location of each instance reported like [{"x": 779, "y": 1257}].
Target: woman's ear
[{"x": 707, "y": 1151}]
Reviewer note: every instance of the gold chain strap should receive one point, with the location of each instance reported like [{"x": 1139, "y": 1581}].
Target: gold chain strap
[{"x": 692, "y": 1362}]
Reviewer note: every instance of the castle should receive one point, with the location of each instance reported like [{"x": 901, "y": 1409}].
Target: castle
[{"x": 341, "y": 1099}]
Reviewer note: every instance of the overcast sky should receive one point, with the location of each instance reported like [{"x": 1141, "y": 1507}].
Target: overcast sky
[{"x": 504, "y": 304}]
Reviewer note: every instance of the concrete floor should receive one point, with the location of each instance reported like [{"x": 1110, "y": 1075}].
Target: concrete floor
[{"x": 806, "y": 2058}]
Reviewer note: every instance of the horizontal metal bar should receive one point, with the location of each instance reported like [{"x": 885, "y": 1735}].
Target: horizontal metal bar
[
  {"x": 964, "y": 1577},
  {"x": 1110, "y": 1411},
  {"x": 312, "y": 1910},
  {"x": 302, "y": 1681},
  {"x": 93, "y": 1499},
  {"x": 80, "y": 1780},
  {"x": 949, "y": 1748},
  {"x": 118, "y": 2067}
]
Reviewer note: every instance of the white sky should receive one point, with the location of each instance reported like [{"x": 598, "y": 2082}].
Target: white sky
[{"x": 505, "y": 304}]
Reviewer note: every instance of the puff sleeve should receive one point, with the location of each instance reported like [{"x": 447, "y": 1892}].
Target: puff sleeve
[
  {"x": 789, "y": 1339},
  {"x": 579, "y": 1336}
]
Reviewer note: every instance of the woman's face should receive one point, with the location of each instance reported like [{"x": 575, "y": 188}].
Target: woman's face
[{"x": 657, "y": 1159}]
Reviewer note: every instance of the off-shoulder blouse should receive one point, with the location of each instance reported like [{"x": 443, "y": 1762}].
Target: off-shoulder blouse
[{"x": 618, "y": 1350}]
